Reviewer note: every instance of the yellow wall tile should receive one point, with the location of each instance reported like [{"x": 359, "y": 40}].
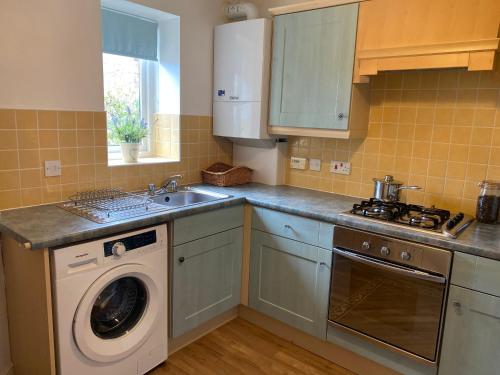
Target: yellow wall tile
[
  {"x": 26, "y": 119},
  {"x": 29, "y": 159},
  {"x": 27, "y": 139},
  {"x": 437, "y": 129},
  {"x": 9, "y": 160},
  {"x": 9, "y": 180},
  {"x": 7, "y": 119},
  {"x": 47, "y": 120},
  {"x": 66, "y": 120},
  {"x": 30, "y": 178},
  {"x": 10, "y": 199},
  {"x": 8, "y": 140},
  {"x": 48, "y": 139}
]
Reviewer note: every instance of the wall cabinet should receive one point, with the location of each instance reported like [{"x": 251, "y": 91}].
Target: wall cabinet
[
  {"x": 312, "y": 71},
  {"x": 206, "y": 272},
  {"x": 289, "y": 281},
  {"x": 471, "y": 343},
  {"x": 426, "y": 34}
]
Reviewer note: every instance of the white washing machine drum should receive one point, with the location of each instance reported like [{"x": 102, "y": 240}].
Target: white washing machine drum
[{"x": 117, "y": 314}]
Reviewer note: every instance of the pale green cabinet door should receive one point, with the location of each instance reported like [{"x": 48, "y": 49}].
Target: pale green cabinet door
[
  {"x": 312, "y": 68},
  {"x": 206, "y": 279},
  {"x": 471, "y": 341},
  {"x": 290, "y": 281}
]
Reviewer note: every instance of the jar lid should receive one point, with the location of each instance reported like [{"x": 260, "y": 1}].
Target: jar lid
[
  {"x": 489, "y": 184},
  {"x": 388, "y": 179}
]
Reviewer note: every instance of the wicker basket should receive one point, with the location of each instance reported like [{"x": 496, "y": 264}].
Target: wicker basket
[{"x": 220, "y": 174}]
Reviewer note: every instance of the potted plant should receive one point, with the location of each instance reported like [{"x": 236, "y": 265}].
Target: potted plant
[{"x": 128, "y": 129}]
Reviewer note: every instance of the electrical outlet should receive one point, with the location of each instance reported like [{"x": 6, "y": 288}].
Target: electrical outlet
[
  {"x": 340, "y": 167},
  {"x": 52, "y": 168},
  {"x": 298, "y": 163},
  {"x": 315, "y": 164}
]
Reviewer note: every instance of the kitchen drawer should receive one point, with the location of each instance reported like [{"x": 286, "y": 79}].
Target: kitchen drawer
[
  {"x": 192, "y": 227},
  {"x": 297, "y": 228},
  {"x": 477, "y": 273}
]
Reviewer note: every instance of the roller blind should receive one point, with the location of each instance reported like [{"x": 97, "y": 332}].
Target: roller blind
[{"x": 127, "y": 35}]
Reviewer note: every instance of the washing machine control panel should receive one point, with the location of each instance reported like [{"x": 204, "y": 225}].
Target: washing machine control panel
[{"x": 120, "y": 246}]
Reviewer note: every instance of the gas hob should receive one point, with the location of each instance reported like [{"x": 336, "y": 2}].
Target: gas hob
[{"x": 414, "y": 217}]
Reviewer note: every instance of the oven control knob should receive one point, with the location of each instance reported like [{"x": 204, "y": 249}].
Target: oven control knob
[
  {"x": 365, "y": 245},
  {"x": 118, "y": 249},
  {"x": 385, "y": 251},
  {"x": 405, "y": 255}
]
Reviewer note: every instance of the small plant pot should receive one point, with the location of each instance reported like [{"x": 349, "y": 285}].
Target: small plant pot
[{"x": 130, "y": 152}]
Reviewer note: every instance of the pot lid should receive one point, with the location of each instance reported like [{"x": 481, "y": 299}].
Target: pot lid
[{"x": 387, "y": 179}]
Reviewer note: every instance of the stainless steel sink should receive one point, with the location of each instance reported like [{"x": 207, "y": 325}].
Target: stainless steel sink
[{"x": 183, "y": 198}]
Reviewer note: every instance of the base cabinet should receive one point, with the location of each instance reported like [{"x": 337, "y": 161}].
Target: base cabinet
[
  {"x": 206, "y": 279},
  {"x": 471, "y": 341},
  {"x": 289, "y": 281}
]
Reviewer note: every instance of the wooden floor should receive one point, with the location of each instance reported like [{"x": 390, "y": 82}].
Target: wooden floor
[{"x": 240, "y": 347}]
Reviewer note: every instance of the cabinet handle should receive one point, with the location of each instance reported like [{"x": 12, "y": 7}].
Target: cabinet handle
[
  {"x": 457, "y": 305},
  {"x": 341, "y": 116},
  {"x": 181, "y": 260},
  {"x": 288, "y": 227}
]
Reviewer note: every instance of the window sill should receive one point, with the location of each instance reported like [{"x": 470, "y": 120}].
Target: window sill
[{"x": 141, "y": 161}]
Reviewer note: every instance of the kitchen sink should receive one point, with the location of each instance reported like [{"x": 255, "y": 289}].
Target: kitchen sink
[{"x": 183, "y": 198}]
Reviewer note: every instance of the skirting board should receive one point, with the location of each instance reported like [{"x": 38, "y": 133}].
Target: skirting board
[
  {"x": 327, "y": 350},
  {"x": 175, "y": 344}
]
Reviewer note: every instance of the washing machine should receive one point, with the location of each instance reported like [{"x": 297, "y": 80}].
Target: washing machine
[{"x": 110, "y": 304}]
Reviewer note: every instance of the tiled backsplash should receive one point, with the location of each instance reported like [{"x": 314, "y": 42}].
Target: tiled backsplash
[
  {"x": 78, "y": 139},
  {"x": 436, "y": 129}
]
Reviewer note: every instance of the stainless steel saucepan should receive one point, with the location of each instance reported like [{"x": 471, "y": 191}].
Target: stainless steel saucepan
[{"x": 387, "y": 190}]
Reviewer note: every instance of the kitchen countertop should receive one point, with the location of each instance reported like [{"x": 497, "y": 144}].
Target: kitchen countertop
[{"x": 50, "y": 226}]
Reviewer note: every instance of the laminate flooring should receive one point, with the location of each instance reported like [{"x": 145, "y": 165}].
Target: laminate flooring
[{"x": 240, "y": 347}]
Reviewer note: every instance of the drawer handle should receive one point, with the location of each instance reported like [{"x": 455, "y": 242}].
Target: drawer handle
[
  {"x": 181, "y": 260},
  {"x": 288, "y": 227}
]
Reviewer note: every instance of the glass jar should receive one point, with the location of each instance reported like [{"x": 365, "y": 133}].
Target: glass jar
[{"x": 488, "y": 202}]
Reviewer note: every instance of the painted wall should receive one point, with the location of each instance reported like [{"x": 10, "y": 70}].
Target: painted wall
[
  {"x": 51, "y": 53},
  {"x": 51, "y": 56}
]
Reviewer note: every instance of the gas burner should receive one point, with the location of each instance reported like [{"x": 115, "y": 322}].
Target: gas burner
[
  {"x": 378, "y": 209},
  {"x": 380, "y": 212},
  {"x": 427, "y": 219}
]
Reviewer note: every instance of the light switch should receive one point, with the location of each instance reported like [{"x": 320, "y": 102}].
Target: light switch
[
  {"x": 52, "y": 168},
  {"x": 315, "y": 164}
]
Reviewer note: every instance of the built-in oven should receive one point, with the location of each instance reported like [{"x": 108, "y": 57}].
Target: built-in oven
[{"x": 389, "y": 291}]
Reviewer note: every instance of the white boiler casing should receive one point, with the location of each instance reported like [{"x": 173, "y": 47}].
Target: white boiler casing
[{"x": 242, "y": 52}]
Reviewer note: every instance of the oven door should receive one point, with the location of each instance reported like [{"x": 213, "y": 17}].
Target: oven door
[{"x": 394, "y": 305}]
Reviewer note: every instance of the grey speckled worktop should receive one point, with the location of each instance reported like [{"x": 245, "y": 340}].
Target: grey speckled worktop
[{"x": 49, "y": 226}]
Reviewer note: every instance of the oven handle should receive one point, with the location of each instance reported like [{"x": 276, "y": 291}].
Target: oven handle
[{"x": 416, "y": 274}]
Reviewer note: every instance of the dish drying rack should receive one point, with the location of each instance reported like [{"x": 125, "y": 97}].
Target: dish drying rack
[{"x": 110, "y": 204}]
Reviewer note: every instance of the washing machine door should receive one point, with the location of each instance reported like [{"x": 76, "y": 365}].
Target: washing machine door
[{"x": 117, "y": 313}]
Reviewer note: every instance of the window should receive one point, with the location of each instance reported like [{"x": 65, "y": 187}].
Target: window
[
  {"x": 130, "y": 73},
  {"x": 130, "y": 85},
  {"x": 141, "y": 71}
]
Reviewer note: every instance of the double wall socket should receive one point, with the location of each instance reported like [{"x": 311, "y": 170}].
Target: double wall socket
[{"x": 340, "y": 167}]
